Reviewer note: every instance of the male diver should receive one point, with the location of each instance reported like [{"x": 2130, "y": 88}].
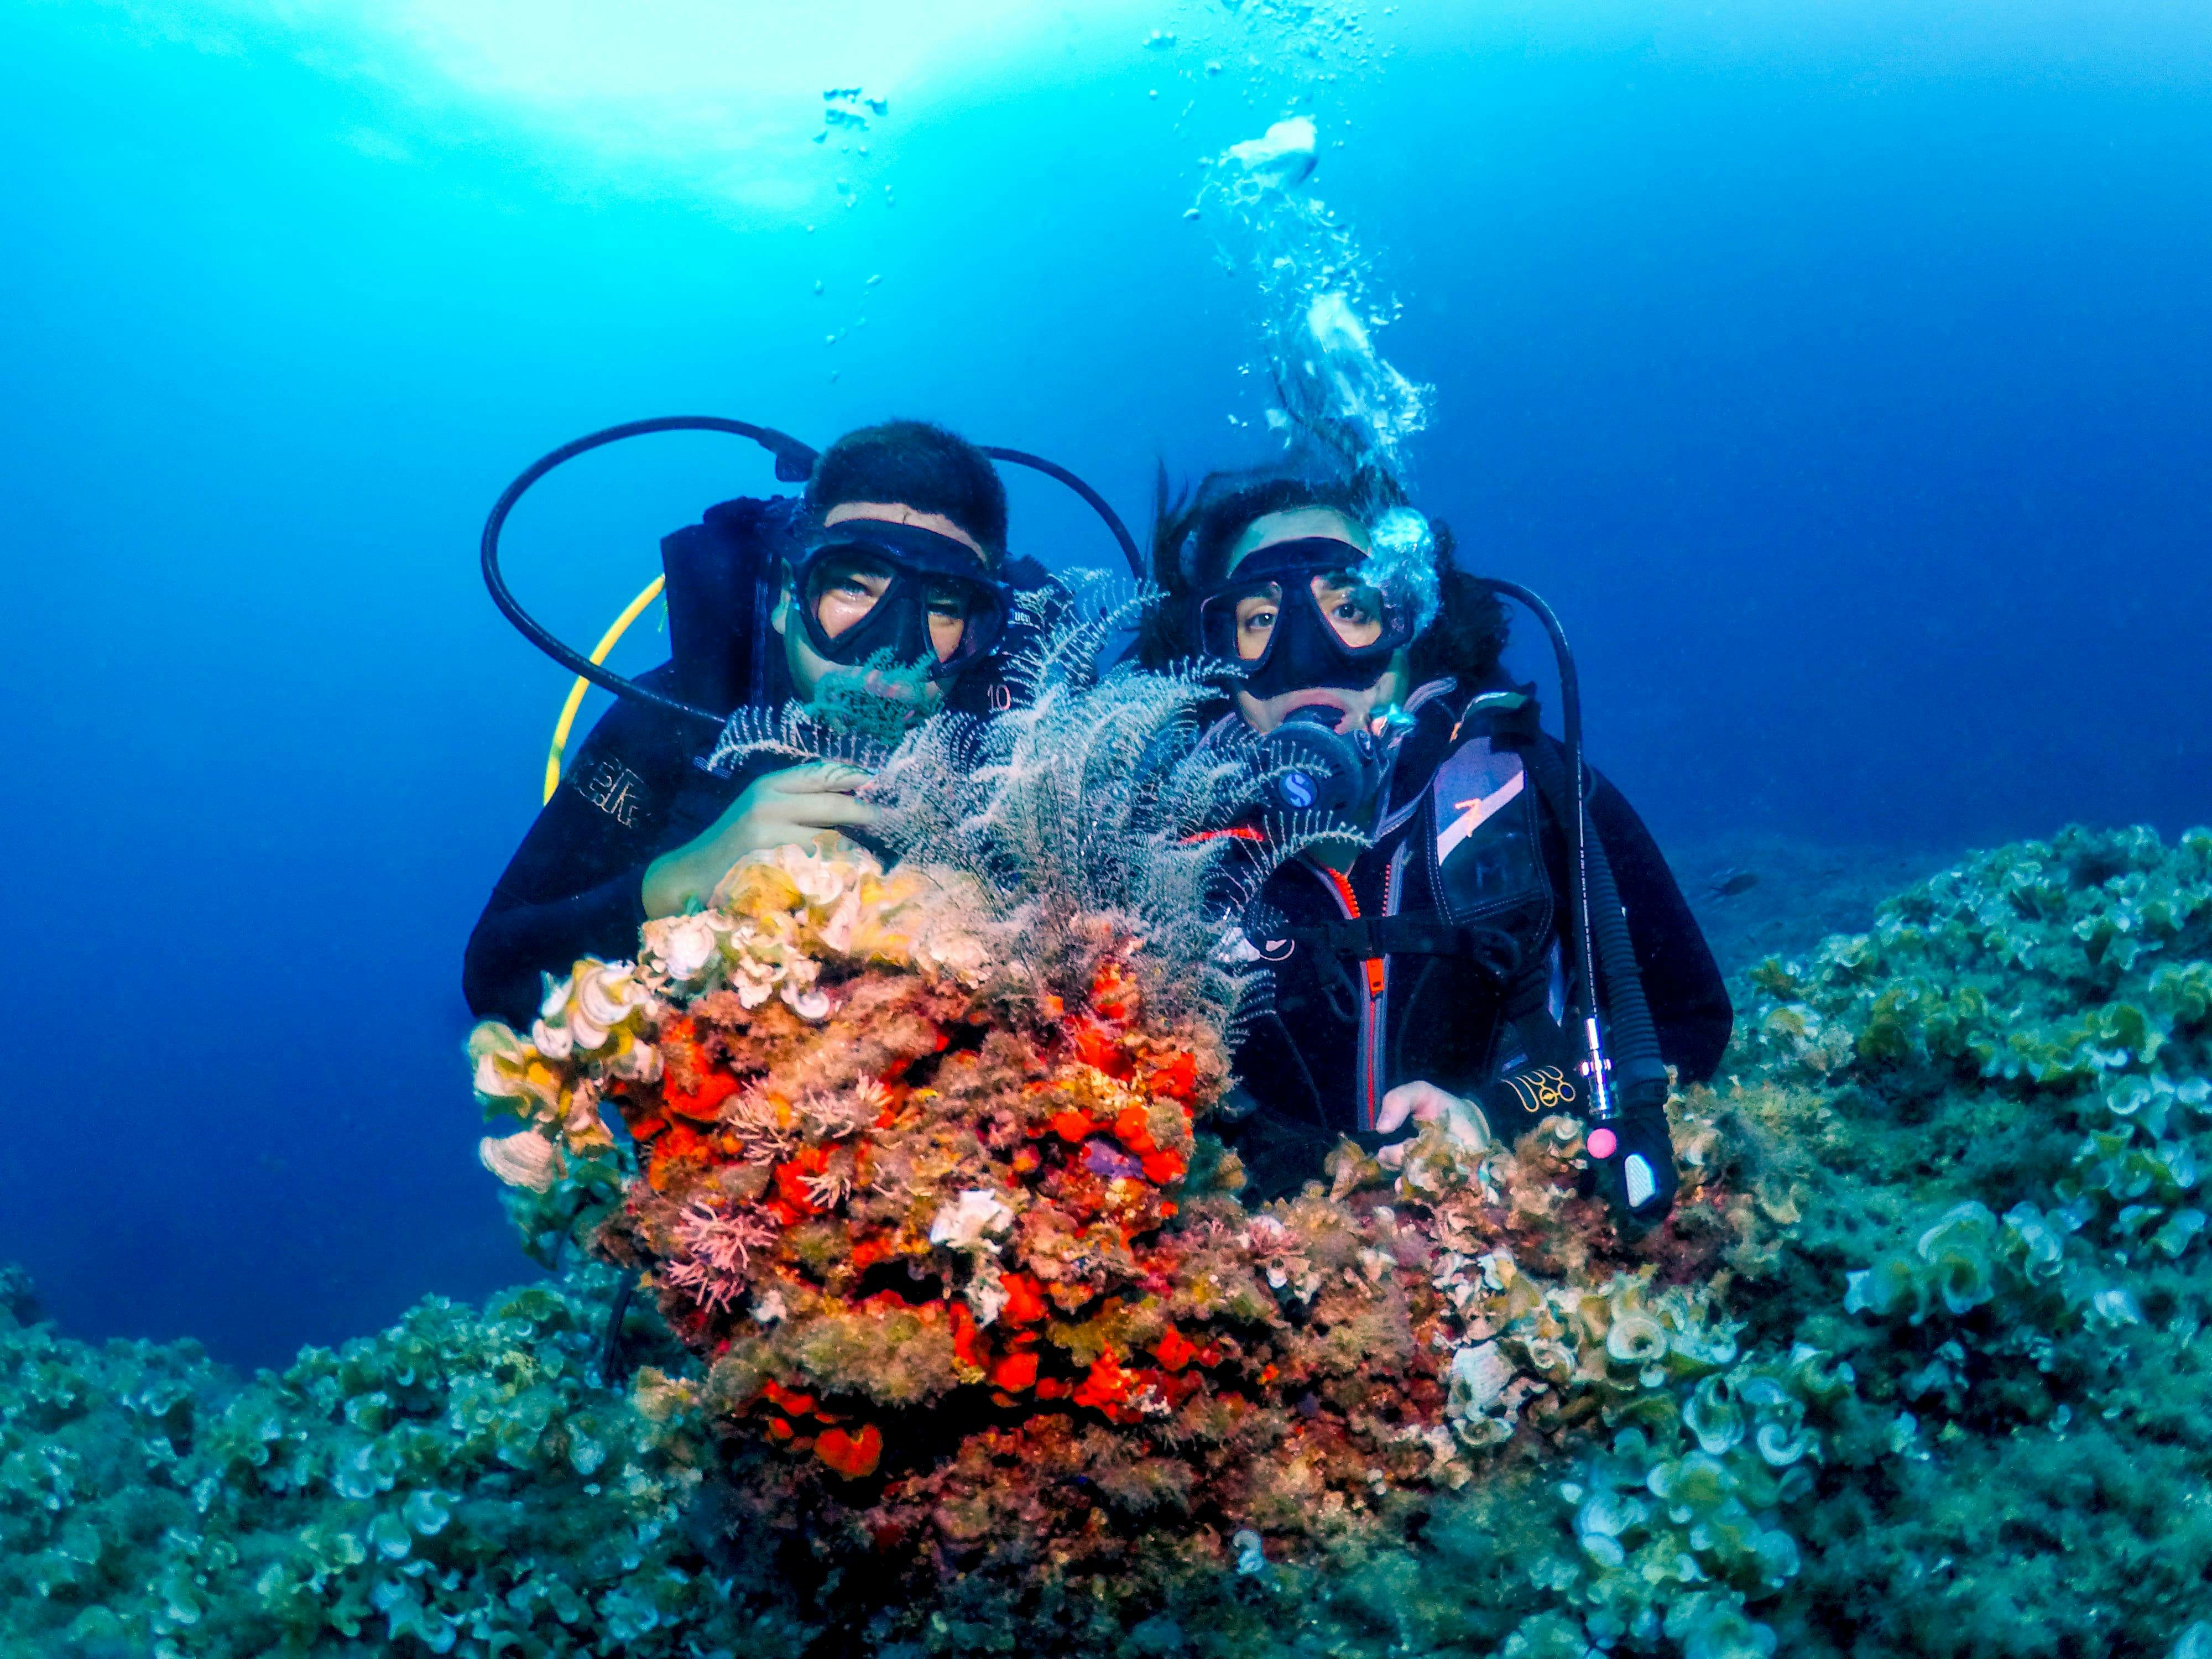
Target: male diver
[
  {"x": 895, "y": 554},
  {"x": 1419, "y": 966}
]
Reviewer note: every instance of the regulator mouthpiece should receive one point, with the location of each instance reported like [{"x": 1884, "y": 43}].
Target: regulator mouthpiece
[{"x": 1313, "y": 769}]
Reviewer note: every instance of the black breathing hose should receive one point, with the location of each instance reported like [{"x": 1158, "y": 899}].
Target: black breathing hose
[
  {"x": 794, "y": 463},
  {"x": 1091, "y": 499},
  {"x": 1637, "y": 1068},
  {"x": 1632, "y": 1037},
  {"x": 1575, "y": 814}
]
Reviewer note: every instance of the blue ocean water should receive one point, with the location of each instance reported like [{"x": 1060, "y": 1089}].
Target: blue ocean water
[{"x": 1840, "y": 374}]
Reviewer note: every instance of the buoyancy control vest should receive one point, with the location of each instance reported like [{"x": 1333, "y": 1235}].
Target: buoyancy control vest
[
  {"x": 1435, "y": 958},
  {"x": 723, "y": 575}
]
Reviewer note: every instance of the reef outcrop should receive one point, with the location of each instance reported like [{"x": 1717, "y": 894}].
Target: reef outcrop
[
  {"x": 972, "y": 1293},
  {"x": 968, "y": 1345}
]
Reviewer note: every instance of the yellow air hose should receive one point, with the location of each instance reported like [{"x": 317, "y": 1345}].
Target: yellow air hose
[{"x": 630, "y": 614}]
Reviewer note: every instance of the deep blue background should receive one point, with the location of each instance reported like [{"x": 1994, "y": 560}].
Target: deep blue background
[{"x": 1846, "y": 393}]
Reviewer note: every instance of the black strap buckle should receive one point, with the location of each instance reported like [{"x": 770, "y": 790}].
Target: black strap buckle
[{"x": 1491, "y": 952}]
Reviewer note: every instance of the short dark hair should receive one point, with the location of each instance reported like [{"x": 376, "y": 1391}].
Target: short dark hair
[
  {"x": 920, "y": 463},
  {"x": 1194, "y": 530}
]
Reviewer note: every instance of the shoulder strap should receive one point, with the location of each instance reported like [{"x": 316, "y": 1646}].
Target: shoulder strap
[{"x": 1493, "y": 953}]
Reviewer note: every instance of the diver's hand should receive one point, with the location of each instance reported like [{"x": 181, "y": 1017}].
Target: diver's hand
[
  {"x": 783, "y": 807},
  {"x": 1636, "y": 1168},
  {"x": 1424, "y": 1102}
]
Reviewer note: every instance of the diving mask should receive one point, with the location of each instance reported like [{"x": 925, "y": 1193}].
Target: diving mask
[
  {"x": 924, "y": 572},
  {"x": 1307, "y": 617}
]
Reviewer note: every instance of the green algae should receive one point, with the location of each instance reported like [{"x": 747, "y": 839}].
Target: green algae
[
  {"x": 456, "y": 1484},
  {"x": 1954, "y": 1399}
]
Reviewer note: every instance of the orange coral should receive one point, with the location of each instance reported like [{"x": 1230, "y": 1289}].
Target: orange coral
[
  {"x": 1015, "y": 1372},
  {"x": 791, "y": 1176},
  {"x": 1114, "y": 992},
  {"x": 852, "y": 1455},
  {"x": 1174, "y": 1350},
  {"x": 867, "y": 1252},
  {"x": 798, "y": 1404},
  {"x": 1024, "y": 1299},
  {"x": 1165, "y": 1169},
  {"x": 675, "y": 1149},
  {"x": 964, "y": 1347},
  {"x": 704, "y": 1103},
  {"x": 1174, "y": 1077},
  {"x": 1106, "y": 1385},
  {"x": 1132, "y": 1128}
]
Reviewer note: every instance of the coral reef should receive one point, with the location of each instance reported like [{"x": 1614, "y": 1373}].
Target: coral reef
[
  {"x": 919, "y": 1178},
  {"x": 969, "y": 1345},
  {"x": 967, "y": 1309},
  {"x": 1927, "y": 1321}
]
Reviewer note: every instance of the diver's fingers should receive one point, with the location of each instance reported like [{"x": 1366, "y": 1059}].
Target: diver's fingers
[
  {"x": 830, "y": 812},
  {"x": 1397, "y": 1107},
  {"x": 1422, "y": 1101},
  {"x": 821, "y": 777},
  {"x": 1465, "y": 1124},
  {"x": 1393, "y": 1157}
]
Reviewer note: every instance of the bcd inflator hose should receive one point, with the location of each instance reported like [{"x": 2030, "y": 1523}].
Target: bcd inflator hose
[
  {"x": 1639, "y": 1073},
  {"x": 1632, "y": 1037},
  {"x": 1620, "y": 1063}
]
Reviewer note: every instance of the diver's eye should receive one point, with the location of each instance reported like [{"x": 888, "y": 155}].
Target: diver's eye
[
  {"x": 853, "y": 579},
  {"x": 1353, "y": 611},
  {"x": 1255, "y": 621}
]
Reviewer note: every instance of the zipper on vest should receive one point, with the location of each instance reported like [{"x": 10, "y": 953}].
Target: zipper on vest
[
  {"x": 1378, "y": 970},
  {"x": 1379, "y": 1006}
]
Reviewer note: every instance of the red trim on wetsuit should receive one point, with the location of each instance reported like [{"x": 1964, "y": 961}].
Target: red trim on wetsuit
[{"x": 1352, "y": 904}]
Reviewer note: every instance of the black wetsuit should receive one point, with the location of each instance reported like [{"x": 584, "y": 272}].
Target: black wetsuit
[
  {"x": 632, "y": 789},
  {"x": 1443, "y": 963},
  {"x": 575, "y": 887},
  {"x": 635, "y": 788}
]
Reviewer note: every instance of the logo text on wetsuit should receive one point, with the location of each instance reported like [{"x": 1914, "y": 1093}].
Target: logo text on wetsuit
[
  {"x": 1543, "y": 1089},
  {"x": 615, "y": 790}
]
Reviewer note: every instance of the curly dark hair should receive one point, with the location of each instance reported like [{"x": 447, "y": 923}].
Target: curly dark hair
[{"x": 1193, "y": 529}]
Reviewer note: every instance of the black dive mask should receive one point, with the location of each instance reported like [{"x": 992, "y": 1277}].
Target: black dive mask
[
  {"x": 1307, "y": 646},
  {"x": 922, "y": 565}
]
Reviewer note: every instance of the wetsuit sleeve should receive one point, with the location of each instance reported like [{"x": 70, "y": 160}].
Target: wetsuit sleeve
[
  {"x": 1681, "y": 982},
  {"x": 575, "y": 887}
]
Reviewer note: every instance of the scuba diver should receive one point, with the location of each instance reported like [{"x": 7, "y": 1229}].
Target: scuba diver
[
  {"x": 1425, "y": 952},
  {"x": 894, "y": 557}
]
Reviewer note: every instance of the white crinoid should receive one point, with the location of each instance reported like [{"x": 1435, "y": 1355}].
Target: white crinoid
[{"x": 1076, "y": 825}]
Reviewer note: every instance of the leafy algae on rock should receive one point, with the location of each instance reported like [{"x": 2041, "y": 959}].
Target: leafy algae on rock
[
  {"x": 455, "y": 1484},
  {"x": 1919, "y": 1368}
]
